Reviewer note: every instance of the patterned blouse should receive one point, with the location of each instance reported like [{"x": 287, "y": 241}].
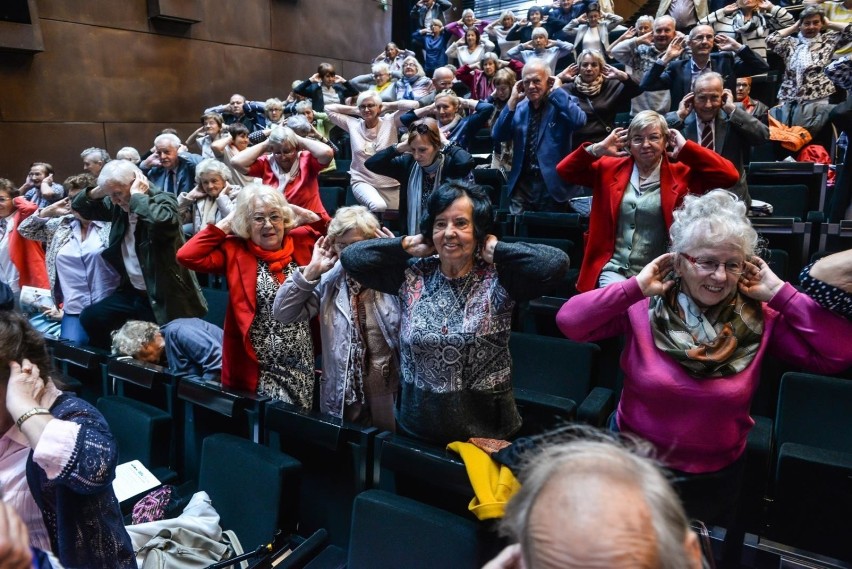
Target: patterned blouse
[
  {"x": 828, "y": 296},
  {"x": 810, "y": 83},
  {"x": 285, "y": 352}
]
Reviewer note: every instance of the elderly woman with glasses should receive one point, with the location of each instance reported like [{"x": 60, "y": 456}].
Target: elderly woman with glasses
[
  {"x": 257, "y": 247},
  {"x": 413, "y": 84},
  {"x": 421, "y": 162},
  {"x": 457, "y": 285},
  {"x": 636, "y": 186},
  {"x": 698, "y": 322},
  {"x": 457, "y": 129},
  {"x": 212, "y": 198},
  {"x": 359, "y": 326}
]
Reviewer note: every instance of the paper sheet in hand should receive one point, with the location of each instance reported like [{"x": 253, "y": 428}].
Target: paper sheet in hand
[{"x": 131, "y": 479}]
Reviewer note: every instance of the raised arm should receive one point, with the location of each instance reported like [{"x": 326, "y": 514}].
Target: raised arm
[
  {"x": 527, "y": 270},
  {"x": 378, "y": 264},
  {"x": 243, "y": 160}
]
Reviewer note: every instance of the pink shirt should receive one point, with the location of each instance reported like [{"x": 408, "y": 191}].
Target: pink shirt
[{"x": 700, "y": 424}]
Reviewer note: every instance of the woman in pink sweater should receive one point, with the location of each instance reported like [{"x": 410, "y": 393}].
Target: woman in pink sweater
[{"x": 697, "y": 323}]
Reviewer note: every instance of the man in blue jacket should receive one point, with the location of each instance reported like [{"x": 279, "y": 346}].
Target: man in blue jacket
[{"x": 539, "y": 118}]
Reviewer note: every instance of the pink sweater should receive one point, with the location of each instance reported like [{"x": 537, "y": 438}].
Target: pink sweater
[{"x": 700, "y": 425}]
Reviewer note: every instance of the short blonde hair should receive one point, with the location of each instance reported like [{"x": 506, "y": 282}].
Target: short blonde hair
[
  {"x": 354, "y": 217},
  {"x": 267, "y": 195},
  {"x": 448, "y": 94}
]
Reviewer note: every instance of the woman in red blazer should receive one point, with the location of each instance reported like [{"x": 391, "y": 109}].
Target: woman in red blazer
[
  {"x": 21, "y": 260},
  {"x": 257, "y": 247},
  {"x": 637, "y": 185}
]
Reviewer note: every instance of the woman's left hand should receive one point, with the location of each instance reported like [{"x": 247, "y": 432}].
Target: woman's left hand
[
  {"x": 488, "y": 246},
  {"x": 758, "y": 281},
  {"x": 225, "y": 223},
  {"x": 25, "y": 388},
  {"x": 610, "y": 72}
]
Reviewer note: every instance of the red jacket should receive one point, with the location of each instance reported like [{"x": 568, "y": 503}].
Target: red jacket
[
  {"x": 212, "y": 251},
  {"x": 26, "y": 255},
  {"x": 698, "y": 170}
]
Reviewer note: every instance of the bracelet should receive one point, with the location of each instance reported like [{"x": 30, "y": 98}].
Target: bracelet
[{"x": 31, "y": 413}]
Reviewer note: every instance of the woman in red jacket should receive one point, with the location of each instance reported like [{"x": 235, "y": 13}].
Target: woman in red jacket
[
  {"x": 636, "y": 187},
  {"x": 21, "y": 260},
  {"x": 257, "y": 246}
]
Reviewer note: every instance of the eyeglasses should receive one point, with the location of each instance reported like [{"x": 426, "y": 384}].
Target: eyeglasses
[
  {"x": 710, "y": 266},
  {"x": 274, "y": 219},
  {"x": 640, "y": 140},
  {"x": 367, "y": 106}
]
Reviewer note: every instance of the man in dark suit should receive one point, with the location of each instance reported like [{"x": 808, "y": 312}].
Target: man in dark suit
[
  {"x": 710, "y": 116},
  {"x": 539, "y": 118},
  {"x": 176, "y": 172},
  {"x": 143, "y": 242},
  {"x": 427, "y": 10},
  {"x": 733, "y": 60},
  {"x": 752, "y": 106}
]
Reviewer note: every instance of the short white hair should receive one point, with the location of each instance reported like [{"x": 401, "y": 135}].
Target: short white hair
[
  {"x": 169, "y": 138},
  {"x": 121, "y": 172}
]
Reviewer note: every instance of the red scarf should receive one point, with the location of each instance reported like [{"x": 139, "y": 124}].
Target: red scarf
[{"x": 277, "y": 260}]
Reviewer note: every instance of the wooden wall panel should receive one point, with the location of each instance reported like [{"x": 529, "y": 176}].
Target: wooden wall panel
[{"x": 108, "y": 77}]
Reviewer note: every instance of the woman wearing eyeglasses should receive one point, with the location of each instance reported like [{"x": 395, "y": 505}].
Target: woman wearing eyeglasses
[
  {"x": 636, "y": 187},
  {"x": 257, "y": 247},
  {"x": 698, "y": 322},
  {"x": 369, "y": 132},
  {"x": 421, "y": 162}
]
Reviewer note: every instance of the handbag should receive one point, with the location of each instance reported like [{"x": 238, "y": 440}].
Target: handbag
[{"x": 185, "y": 549}]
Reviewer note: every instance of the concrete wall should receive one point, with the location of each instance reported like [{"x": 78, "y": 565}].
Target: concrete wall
[{"x": 110, "y": 77}]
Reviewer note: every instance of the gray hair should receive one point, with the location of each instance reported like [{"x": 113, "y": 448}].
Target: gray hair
[
  {"x": 128, "y": 153},
  {"x": 244, "y": 208},
  {"x": 380, "y": 67},
  {"x": 299, "y": 124},
  {"x": 131, "y": 338},
  {"x": 353, "y": 217},
  {"x": 303, "y": 106},
  {"x": 490, "y": 56},
  {"x": 596, "y": 455},
  {"x": 705, "y": 77},
  {"x": 283, "y": 136},
  {"x": 645, "y": 18},
  {"x": 121, "y": 172},
  {"x": 468, "y": 12},
  {"x": 594, "y": 54},
  {"x": 645, "y": 119},
  {"x": 171, "y": 139},
  {"x": 539, "y": 32},
  {"x": 659, "y": 20},
  {"x": 717, "y": 217},
  {"x": 507, "y": 14},
  {"x": 103, "y": 155},
  {"x": 367, "y": 95},
  {"x": 274, "y": 103},
  {"x": 412, "y": 59},
  {"x": 212, "y": 166}
]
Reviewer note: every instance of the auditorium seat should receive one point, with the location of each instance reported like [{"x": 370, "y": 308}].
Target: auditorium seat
[
  {"x": 86, "y": 364},
  {"x": 333, "y": 198}
]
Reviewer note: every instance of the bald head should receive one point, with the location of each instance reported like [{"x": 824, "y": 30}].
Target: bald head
[{"x": 442, "y": 78}]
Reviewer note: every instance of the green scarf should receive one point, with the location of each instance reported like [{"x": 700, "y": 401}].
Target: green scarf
[{"x": 719, "y": 342}]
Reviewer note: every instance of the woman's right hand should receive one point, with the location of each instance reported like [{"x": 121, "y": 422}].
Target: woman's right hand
[
  {"x": 650, "y": 279},
  {"x": 417, "y": 246}
]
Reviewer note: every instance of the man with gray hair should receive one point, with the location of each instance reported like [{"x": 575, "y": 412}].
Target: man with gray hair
[
  {"x": 143, "y": 242},
  {"x": 94, "y": 159},
  {"x": 176, "y": 170},
  {"x": 444, "y": 78},
  {"x": 596, "y": 503}
]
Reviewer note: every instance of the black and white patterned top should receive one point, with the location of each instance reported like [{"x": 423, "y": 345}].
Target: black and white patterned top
[
  {"x": 828, "y": 296},
  {"x": 285, "y": 353}
]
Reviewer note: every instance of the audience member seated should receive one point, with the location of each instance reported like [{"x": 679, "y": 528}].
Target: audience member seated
[
  {"x": 293, "y": 98},
  {"x": 144, "y": 237},
  {"x": 326, "y": 87},
  {"x": 212, "y": 198},
  {"x": 677, "y": 75},
  {"x": 523, "y": 29},
  {"x": 274, "y": 115},
  {"x": 730, "y": 134},
  {"x": 471, "y": 48},
  {"x": 591, "y": 30},
  {"x": 128, "y": 153},
  {"x": 498, "y": 30},
  {"x": 752, "y": 106},
  {"x": 644, "y": 25},
  {"x": 40, "y": 187},
  {"x": 457, "y": 286},
  {"x": 504, "y": 81},
  {"x": 319, "y": 122},
  {"x": 425, "y": 11},
  {"x": 601, "y": 91},
  {"x": 93, "y": 160},
  {"x": 372, "y": 127},
  {"x": 21, "y": 260},
  {"x": 697, "y": 323},
  {"x": 806, "y": 50},
  {"x": 256, "y": 247},
  {"x": 454, "y": 128},
  {"x": 541, "y": 48},
  {"x": 468, "y": 22},
  {"x": 209, "y": 131},
  {"x": 563, "y": 11},
  {"x": 749, "y": 22},
  {"x": 413, "y": 84},
  {"x": 187, "y": 346},
  {"x": 422, "y": 161},
  {"x": 393, "y": 57},
  {"x": 58, "y": 458},
  {"x": 379, "y": 80},
  {"x": 300, "y": 125},
  {"x": 539, "y": 119},
  {"x": 235, "y": 141},
  {"x": 596, "y": 502},
  {"x": 686, "y": 13},
  {"x": 829, "y": 282},
  {"x": 639, "y": 54},
  {"x": 839, "y": 11},
  {"x": 292, "y": 164},
  {"x": 479, "y": 77},
  {"x": 78, "y": 275},
  {"x": 175, "y": 171},
  {"x": 359, "y": 326},
  {"x": 630, "y": 168},
  {"x": 238, "y": 110},
  {"x": 443, "y": 78},
  {"x": 434, "y": 41}
]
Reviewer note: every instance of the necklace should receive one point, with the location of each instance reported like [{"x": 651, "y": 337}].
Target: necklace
[{"x": 459, "y": 300}]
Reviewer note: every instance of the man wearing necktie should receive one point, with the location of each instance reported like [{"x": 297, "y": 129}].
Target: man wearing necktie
[
  {"x": 176, "y": 172},
  {"x": 711, "y": 117}
]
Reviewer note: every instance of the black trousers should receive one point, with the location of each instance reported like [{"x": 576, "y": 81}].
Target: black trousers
[{"x": 102, "y": 318}]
